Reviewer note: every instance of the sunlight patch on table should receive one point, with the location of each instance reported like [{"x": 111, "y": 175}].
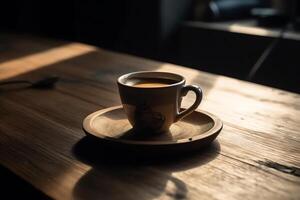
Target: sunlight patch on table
[
  {"x": 42, "y": 59},
  {"x": 66, "y": 181}
]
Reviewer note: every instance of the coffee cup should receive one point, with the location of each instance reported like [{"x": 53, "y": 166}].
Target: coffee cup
[{"x": 152, "y": 100}]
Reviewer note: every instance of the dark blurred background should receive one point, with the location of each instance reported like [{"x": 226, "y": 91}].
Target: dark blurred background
[{"x": 254, "y": 40}]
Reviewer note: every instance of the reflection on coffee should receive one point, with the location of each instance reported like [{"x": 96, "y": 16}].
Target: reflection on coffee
[{"x": 150, "y": 82}]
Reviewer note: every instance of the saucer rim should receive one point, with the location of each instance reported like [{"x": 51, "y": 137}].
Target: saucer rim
[{"x": 212, "y": 132}]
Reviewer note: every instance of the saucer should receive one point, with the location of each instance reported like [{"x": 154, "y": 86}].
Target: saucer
[{"x": 111, "y": 126}]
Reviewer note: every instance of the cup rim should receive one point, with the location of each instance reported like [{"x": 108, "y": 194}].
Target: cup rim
[{"x": 121, "y": 79}]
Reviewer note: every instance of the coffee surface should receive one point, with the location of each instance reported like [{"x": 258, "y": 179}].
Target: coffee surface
[{"x": 150, "y": 82}]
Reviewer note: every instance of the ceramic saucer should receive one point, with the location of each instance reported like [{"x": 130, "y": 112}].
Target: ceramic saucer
[{"x": 194, "y": 131}]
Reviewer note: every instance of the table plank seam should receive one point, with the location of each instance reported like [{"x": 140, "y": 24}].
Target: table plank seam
[{"x": 261, "y": 168}]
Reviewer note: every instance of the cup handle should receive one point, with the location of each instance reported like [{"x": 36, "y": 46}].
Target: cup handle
[{"x": 184, "y": 90}]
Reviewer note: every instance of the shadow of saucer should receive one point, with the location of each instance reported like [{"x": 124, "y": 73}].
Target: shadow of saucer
[
  {"x": 93, "y": 152},
  {"x": 136, "y": 135},
  {"x": 130, "y": 175}
]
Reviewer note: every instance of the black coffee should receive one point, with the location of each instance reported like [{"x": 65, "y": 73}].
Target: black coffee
[{"x": 150, "y": 82}]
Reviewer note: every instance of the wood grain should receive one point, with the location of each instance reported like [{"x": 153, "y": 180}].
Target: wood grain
[{"x": 42, "y": 142}]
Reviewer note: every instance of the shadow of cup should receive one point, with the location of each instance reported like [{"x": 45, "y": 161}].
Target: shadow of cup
[
  {"x": 120, "y": 174},
  {"x": 128, "y": 183}
]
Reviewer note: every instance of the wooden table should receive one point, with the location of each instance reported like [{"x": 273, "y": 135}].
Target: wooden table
[{"x": 256, "y": 156}]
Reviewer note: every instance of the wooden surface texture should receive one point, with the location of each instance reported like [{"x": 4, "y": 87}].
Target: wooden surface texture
[{"x": 256, "y": 155}]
